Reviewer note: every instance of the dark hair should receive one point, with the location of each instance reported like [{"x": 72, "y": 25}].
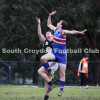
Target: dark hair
[
  {"x": 50, "y": 31},
  {"x": 64, "y": 24}
]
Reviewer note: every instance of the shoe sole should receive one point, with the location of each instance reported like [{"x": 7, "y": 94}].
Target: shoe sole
[{"x": 59, "y": 95}]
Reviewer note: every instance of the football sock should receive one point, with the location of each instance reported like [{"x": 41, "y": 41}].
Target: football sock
[
  {"x": 62, "y": 83},
  {"x": 46, "y": 97},
  {"x": 46, "y": 65}
]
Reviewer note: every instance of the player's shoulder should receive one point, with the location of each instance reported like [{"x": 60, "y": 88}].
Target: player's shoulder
[
  {"x": 64, "y": 31},
  {"x": 82, "y": 59}
]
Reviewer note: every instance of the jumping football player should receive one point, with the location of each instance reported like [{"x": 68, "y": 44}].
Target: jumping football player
[
  {"x": 59, "y": 48},
  {"x": 48, "y": 45}
]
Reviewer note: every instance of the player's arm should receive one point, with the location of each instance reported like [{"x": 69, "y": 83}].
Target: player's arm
[
  {"x": 65, "y": 32},
  {"x": 49, "y": 23},
  {"x": 41, "y": 36},
  {"x": 79, "y": 69},
  {"x": 87, "y": 71}
]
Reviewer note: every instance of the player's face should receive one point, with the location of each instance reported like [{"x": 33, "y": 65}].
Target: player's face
[
  {"x": 87, "y": 58},
  {"x": 59, "y": 26},
  {"x": 49, "y": 35}
]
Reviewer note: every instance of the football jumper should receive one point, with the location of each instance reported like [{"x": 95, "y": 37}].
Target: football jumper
[
  {"x": 59, "y": 43},
  {"x": 83, "y": 66},
  {"x": 48, "y": 46},
  {"x": 59, "y": 47}
]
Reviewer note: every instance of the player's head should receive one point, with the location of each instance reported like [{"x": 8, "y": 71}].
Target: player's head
[
  {"x": 62, "y": 25},
  {"x": 49, "y": 35},
  {"x": 86, "y": 56}
]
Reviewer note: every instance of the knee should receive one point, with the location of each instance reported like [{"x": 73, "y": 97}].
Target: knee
[
  {"x": 43, "y": 59},
  {"x": 46, "y": 83},
  {"x": 39, "y": 71}
]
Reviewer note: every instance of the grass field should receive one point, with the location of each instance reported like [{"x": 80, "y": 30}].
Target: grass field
[{"x": 29, "y": 92}]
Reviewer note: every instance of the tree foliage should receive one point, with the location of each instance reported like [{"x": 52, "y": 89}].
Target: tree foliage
[{"x": 18, "y": 27}]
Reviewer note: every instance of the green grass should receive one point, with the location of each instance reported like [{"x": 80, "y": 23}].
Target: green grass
[{"x": 22, "y": 92}]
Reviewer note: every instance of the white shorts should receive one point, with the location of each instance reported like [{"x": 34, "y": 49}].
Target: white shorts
[{"x": 53, "y": 65}]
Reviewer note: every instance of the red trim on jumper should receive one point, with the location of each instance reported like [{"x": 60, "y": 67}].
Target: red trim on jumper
[
  {"x": 61, "y": 85},
  {"x": 59, "y": 40},
  {"x": 47, "y": 67}
]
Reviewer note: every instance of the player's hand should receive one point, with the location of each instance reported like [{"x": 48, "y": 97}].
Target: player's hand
[
  {"x": 82, "y": 32},
  {"x": 86, "y": 74},
  {"x": 38, "y": 20},
  {"x": 51, "y": 14}
]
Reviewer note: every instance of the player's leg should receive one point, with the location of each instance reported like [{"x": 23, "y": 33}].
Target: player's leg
[
  {"x": 46, "y": 97},
  {"x": 62, "y": 69},
  {"x": 85, "y": 82},
  {"x": 47, "y": 57},
  {"x": 43, "y": 73},
  {"x": 62, "y": 59},
  {"x": 82, "y": 81},
  {"x": 44, "y": 60}
]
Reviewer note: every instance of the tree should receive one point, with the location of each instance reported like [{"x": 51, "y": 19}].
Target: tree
[{"x": 18, "y": 28}]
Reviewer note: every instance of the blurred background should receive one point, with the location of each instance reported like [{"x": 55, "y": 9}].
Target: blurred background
[{"x": 18, "y": 29}]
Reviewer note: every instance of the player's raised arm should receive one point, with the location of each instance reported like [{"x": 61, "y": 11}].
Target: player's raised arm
[
  {"x": 49, "y": 23},
  {"x": 65, "y": 32},
  {"x": 41, "y": 36}
]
